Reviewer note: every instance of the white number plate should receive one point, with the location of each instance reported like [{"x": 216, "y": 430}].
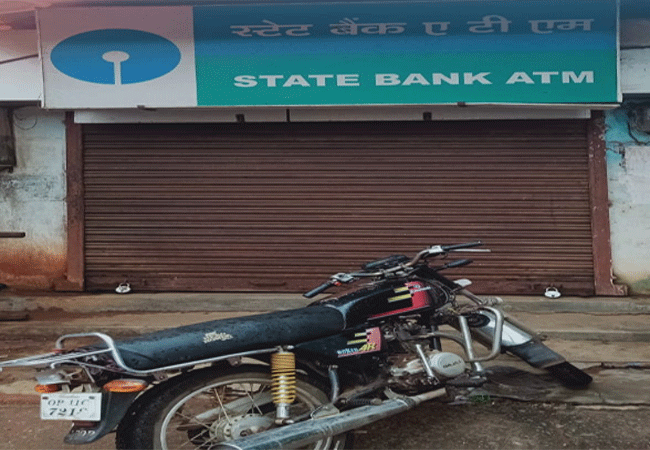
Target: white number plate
[{"x": 82, "y": 406}]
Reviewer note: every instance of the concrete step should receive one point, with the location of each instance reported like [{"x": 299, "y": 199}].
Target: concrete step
[
  {"x": 588, "y": 326},
  {"x": 566, "y": 318},
  {"x": 595, "y": 352},
  {"x": 568, "y": 326},
  {"x": 577, "y": 336},
  {"x": 592, "y": 305},
  {"x": 13, "y": 308},
  {"x": 188, "y": 302}
]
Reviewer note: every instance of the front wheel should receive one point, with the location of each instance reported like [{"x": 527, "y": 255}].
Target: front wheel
[{"x": 205, "y": 409}]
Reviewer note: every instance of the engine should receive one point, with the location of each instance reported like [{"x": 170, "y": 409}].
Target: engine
[{"x": 408, "y": 373}]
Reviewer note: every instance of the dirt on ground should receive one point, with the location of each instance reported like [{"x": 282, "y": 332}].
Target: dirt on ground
[
  {"x": 495, "y": 424},
  {"x": 507, "y": 424}
]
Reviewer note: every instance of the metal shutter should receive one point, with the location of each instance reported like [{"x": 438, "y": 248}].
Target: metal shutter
[{"x": 279, "y": 207}]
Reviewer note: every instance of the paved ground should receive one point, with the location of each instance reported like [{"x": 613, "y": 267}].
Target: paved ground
[{"x": 496, "y": 424}]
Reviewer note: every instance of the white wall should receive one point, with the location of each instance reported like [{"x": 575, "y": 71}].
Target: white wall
[
  {"x": 32, "y": 199},
  {"x": 20, "y": 80},
  {"x": 635, "y": 56},
  {"x": 635, "y": 71},
  {"x": 628, "y": 170}
]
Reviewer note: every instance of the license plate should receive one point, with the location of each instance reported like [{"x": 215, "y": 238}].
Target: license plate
[{"x": 81, "y": 406}]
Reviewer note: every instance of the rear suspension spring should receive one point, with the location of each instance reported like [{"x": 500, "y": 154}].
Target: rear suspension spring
[{"x": 283, "y": 384}]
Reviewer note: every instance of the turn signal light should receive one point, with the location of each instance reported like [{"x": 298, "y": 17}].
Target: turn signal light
[
  {"x": 47, "y": 388},
  {"x": 126, "y": 385}
]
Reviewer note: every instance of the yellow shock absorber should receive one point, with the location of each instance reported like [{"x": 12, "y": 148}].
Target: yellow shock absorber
[{"x": 283, "y": 375}]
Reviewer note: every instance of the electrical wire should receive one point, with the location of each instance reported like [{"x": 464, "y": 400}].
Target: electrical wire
[{"x": 20, "y": 58}]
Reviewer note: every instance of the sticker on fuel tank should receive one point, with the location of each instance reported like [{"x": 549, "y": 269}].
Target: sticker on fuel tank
[
  {"x": 363, "y": 342},
  {"x": 412, "y": 296},
  {"x": 403, "y": 293}
]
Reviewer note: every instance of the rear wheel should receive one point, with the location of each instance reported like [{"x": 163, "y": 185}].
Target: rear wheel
[{"x": 204, "y": 410}]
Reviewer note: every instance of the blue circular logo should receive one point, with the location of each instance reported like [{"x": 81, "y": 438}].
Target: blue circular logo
[{"x": 115, "y": 56}]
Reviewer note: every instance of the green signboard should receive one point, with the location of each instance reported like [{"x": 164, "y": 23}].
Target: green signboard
[
  {"x": 416, "y": 53},
  {"x": 322, "y": 54}
]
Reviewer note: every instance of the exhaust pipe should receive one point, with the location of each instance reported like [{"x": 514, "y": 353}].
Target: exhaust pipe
[{"x": 309, "y": 431}]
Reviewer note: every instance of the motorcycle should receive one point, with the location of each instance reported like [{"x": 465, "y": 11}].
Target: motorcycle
[{"x": 301, "y": 378}]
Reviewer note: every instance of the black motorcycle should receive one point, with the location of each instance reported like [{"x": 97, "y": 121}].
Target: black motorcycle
[{"x": 299, "y": 378}]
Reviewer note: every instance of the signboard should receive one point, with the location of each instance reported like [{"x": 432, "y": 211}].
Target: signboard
[{"x": 321, "y": 54}]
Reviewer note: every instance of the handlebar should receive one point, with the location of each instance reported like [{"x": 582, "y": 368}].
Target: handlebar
[
  {"x": 435, "y": 250},
  {"x": 457, "y": 263},
  {"x": 317, "y": 290},
  {"x": 450, "y": 248}
]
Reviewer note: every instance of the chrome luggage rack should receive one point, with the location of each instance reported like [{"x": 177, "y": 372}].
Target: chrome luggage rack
[{"x": 61, "y": 356}]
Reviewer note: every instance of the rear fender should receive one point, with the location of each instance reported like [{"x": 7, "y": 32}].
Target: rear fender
[
  {"x": 114, "y": 407},
  {"x": 118, "y": 406}
]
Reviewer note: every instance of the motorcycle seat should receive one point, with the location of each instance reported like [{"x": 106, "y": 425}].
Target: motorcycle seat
[{"x": 229, "y": 336}]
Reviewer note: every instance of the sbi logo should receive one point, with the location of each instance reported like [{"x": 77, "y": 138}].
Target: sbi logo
[{"x": 115, "y": 56}]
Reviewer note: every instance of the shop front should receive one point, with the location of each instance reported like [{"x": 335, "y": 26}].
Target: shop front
[{"x": 263, "y": 148}]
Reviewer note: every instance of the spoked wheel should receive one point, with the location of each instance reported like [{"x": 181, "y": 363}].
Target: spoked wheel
[{"x": 203, "y": 411}]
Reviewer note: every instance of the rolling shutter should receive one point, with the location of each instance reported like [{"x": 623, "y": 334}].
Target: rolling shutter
[{"x": 280, "y": 207}]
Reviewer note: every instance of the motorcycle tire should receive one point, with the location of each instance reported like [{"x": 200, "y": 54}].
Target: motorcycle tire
[{"x": 206, "y": 407}]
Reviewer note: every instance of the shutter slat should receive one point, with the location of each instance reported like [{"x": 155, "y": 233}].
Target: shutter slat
[{"x": 282, "y": 206}]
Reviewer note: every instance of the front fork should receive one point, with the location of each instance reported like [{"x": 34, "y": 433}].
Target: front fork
[
  {"x": 498, "y": 320},
  {"x": 499, "y": 324}
]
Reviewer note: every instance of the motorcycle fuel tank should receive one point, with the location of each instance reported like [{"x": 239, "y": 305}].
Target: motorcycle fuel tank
[
  {"x": 381, "y": 300},
  {"x": 412, "y": 296}
]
